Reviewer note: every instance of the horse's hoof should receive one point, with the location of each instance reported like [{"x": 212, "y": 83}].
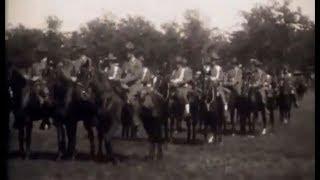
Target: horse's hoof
[
  {"x": 27, "y": 157},
  {"x": 59, "y": 156},
  {"x": 264, "y": 131},
  {"x": 114, "y": 161},
  {"x": 160, "y": 157}
]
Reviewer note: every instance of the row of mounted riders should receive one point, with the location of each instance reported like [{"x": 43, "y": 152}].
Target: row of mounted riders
[{"x": 103, "y": 107}]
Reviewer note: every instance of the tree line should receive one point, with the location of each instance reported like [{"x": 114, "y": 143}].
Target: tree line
[{"x": 273, "y": 33}]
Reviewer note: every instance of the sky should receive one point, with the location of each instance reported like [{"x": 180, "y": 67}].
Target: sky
[{"x": 223, "y": 14}]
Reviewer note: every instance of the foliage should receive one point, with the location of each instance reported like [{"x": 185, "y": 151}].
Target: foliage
[{"x": 272, "y": 33}]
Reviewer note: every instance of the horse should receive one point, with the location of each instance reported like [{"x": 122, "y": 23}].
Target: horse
[
  {"x": 175, "y": 110},
  {"x": 244, "y": 107},
  {"x": 256, "y": 106},
  {"x": 301, "y": 87},
  {"x": 233, "y": 103},
  {"x": 35, "y": 106},
  {"x": 271, "y": 100},
  {"x": 161, "y": 85},
  {"x": 193, "y": 120},
  {"x": 81, "y": 107},
  {"x": 152, "y": 106},
  {"x": 212, "y": 109},
  {"x": 61, "y": 90},
  {"x": 152, "y": 114}
]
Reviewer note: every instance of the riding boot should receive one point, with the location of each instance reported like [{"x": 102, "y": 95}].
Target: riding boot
[
  {"x": 21, "y": 141},
  {"x": 110, "y": 153}
]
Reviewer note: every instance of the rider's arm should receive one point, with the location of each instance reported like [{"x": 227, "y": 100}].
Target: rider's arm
[
  {"x": 214, "y": 78},
  {"x": 114, "y": 73}
]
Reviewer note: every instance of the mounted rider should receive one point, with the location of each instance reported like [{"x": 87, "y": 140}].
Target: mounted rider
[
  {"x": 257, "y": 79},
  {"x": 103, "y": 65},
  {"x": 133, "y": 70},
  {"x": 217, "y": 79},
  {"x": 235, "y": 77},
  {"x": 115, "y": 71},
  {"x": 286, "y": 81},
  {"x": 181, "y": 78}
]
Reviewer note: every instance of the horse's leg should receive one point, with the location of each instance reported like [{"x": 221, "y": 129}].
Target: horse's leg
[
  {"x": 100, "y": 139},
  {"x": 109, "y": 150},
  {"x": 28, "y": 137},
  {"x": 171, "y": 127},
  {"x": 222, "y": 120},
  {"x": 223, "y": 124},
  {"x": 166, "y": 128},
  {"x": 271, "y": 118},
  {"x": 205, "y": 130},
  {"x": 242, "y": 123},
  {"x": 89, "y": 129},
  {"x": 232, "y": 117},
  {"x": 152, "y": 150},
  {"x": 250, "y": 119},
  {"x": 107, "y": 139},
  {"x": 254, "y": 120},
  {"x": 188, "y": 122},
  {"x": 21, "y": 140},
  {"x": 264, "y": 120},
  {"x": 72, "y": 138},
  {"x": 160, "y": 152},
  {"x": 289, "y": 115},
  {"x": 281, "y": 116},
  {"x": 194, "y": 131},
  {"x": 123, "y": 131},
  {"x": 61, "y": 140}
]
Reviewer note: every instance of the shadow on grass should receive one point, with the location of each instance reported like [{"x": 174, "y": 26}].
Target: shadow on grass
[{"x": 51, "y": 156}]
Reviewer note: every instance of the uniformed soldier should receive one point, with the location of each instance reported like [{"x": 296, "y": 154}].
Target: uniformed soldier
[
  {"x": 115, "y": 72},
  {"x": 133, "y": 70},
  {"x": 181, "y": 78},
  {"x": 287, "y": 79},
  {"x": 217, "y": 78},
  {"x": 258, "y": 78},
  {"x": 235, "y": 76}
]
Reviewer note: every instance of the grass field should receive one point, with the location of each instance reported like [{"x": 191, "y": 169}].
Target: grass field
[{"x": 289, "y": 153}]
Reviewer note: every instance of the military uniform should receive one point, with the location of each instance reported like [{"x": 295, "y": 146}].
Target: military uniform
[
  {"x": 181, "y": 78},
  {"x": 286, "y": 82},
  {"x": 257, "y": 82},
  {"x": 217, "y": 77},
  {"x": 235, "y": 79},
  {"x": 134, "y": 72}
]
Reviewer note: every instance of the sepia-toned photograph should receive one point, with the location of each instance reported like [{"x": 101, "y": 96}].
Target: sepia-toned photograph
[{"x": 160, "y": 89}]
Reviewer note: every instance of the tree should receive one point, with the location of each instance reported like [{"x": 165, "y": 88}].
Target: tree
[
  {"x": 274, "y": 34},
  {"x": 21, "y": 45},
  {"x": 194, "y": 37}
]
